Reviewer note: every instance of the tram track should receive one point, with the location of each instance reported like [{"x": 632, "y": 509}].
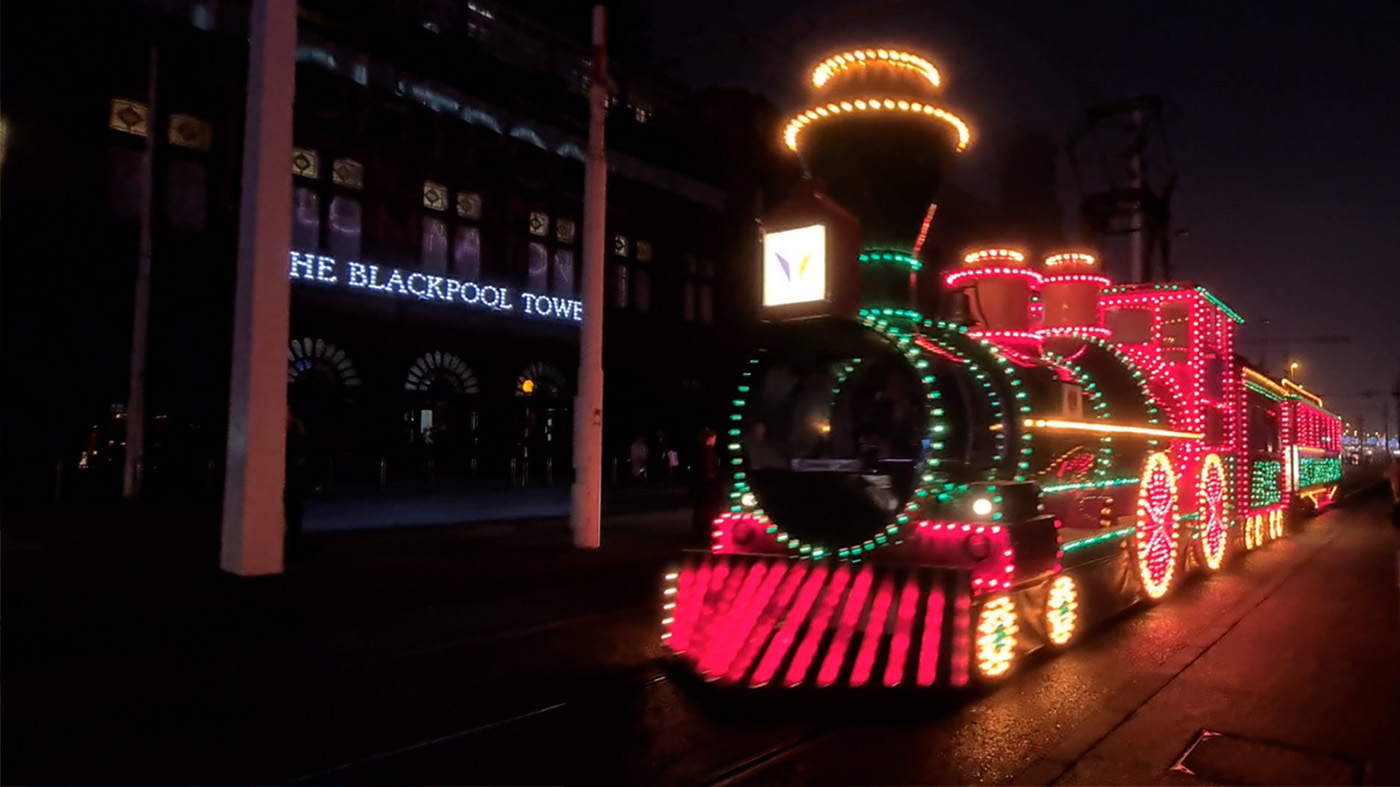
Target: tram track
[
  {"x": 737, "y": 771},
  {"x": 585, "y": 698},
  {"x": 504, "y": 635},
  {"x": 649, "y": 677}
]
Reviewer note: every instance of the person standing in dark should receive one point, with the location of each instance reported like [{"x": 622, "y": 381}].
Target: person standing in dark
[
  {"x": 707, "y": 486},
  {"x": 298, "y": 482},
  {"x": 657, "y": 457}
]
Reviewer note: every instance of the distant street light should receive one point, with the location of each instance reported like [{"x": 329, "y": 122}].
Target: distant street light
[{"x": 1292, "y": 370}]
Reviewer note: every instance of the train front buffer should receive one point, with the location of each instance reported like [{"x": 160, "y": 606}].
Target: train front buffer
[{"x": 948, "y": 603}]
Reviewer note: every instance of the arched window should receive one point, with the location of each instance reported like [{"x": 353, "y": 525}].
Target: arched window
[
  {"x": 541, "y": 379},
  {"x": 441, "y": 372},
  {"x": 312, "y": 359}
]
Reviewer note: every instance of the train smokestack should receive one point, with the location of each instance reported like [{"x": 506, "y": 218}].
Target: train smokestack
[
  {"x": 1070, "y": 300},
  {"x": 997, "y": 285}
]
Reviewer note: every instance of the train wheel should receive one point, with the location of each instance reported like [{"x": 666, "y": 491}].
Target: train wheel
[
  {"x": 995, "y": 647},
  {"x": 1062, "y": 610},
  {"x": 1211, "y": 495},
  {"x": 1158, "y": 526}
]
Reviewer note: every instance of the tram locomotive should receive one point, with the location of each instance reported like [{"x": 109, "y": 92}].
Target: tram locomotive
[{"x": 918, "y": 502}]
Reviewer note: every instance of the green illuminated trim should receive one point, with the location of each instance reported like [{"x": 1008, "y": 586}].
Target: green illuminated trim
[
  {"x": 1259, "y": 389},
  {"x": 1154, "y": 413},
  {"x": 1105, "y": 458},
  {"x": 1008, "y": 370},
  {"x": 886, "y": 255},
  {"x": 902, "y": 339},
  {"x": 1122, "y": 532},
  {"x": 1050, "y": 490},
  {"x": 1231, "y": 313},
  {"x": 1127, "y": 289}
]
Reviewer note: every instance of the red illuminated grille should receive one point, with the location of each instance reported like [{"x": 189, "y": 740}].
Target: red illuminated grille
[{"x": 769, "y": 621}]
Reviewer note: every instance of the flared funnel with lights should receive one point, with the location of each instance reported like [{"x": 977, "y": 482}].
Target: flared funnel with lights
[{"x": 878, "y": 135}]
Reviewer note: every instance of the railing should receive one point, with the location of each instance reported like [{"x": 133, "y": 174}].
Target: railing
[{"x": 344, "y": 474}]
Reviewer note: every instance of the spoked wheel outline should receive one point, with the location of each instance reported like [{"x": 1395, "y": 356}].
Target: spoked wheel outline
[
  {"x": 1158, "y": 526},
  {"x": 1061, "y": 611},
  {"x": 995, "y": 638},
  {"x": 1211, "y": 493}
]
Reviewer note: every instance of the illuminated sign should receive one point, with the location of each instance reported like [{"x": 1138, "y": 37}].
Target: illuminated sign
[
  {"x": 429, "y": 287},
  {"x": 794, "y": 266}
]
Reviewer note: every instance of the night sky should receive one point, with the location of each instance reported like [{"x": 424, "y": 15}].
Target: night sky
[{"x": 1287, "y": 144}]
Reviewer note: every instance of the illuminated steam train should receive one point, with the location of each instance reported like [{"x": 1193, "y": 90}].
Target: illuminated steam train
[{"x": 917, "y": 502}]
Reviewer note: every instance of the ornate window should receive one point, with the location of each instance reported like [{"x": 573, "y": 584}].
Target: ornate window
[
  {"x": 537, "y": 271},
  {"x": 563, "y": 279},
  {"x": 565, "y": 231},
  {"x": 434, "y": 195},
  {"x": 306, "y": 219},
  {"x": 348, "y": 173},
  {"x": 190, "y": 132},
  {"x": 347, "y": 222},
  {"x": 539, "y": 223},
  {"x": 469, "y": 205},
  {"x": 643, "y": 251},
  {"x": 186, "y": 195},
  {"x": 619, "y": 246},
  {"x": 435, "y": 243},
  {"x": 622, "y": 290},
  {"x": 306, "y": 163},
  {"x": 642, "y": 295},
  {"x": 124, "y": 187},
  {"x": 128, "y": 116},
  {"x": 466, "y": 253},
  {"x": 707, "y": 303}
]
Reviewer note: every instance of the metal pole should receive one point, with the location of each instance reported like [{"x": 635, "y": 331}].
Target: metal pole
[
  {"x": 1139, "y": 225},
  {"x": 1385, "y": 418},
  {"x": 141, "y": 300},
  {"x": 254, "y": 519},
  {"x": 585, "y": 510}
]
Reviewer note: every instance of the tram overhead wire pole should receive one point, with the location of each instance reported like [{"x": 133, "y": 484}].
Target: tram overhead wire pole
[
  {"x": 253, "y": 517},
  {"x": 585, "y": 511},
  {"x": 135, "y": 440}
]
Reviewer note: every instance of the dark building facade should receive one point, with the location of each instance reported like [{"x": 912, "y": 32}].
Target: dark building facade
[{"x": 437, "y": 217}]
